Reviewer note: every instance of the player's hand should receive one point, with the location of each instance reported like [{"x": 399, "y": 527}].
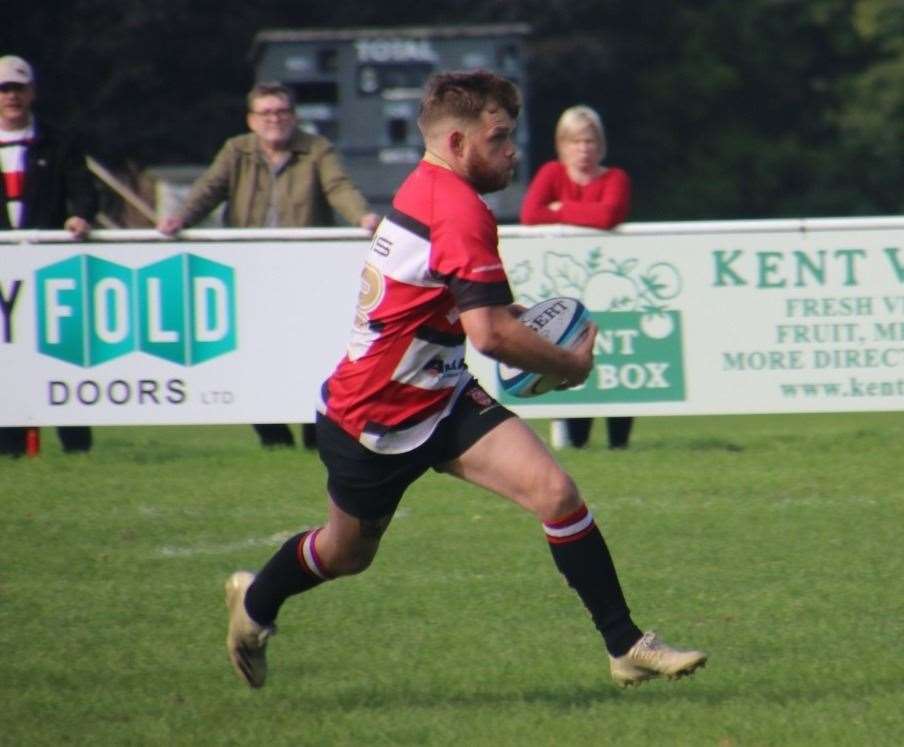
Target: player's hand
[{"x": 581, "y": 359}]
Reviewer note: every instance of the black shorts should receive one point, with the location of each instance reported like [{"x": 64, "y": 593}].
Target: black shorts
[{"x": 369, "y": 485}]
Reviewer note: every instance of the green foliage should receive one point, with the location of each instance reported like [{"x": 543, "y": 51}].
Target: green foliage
[
  {"x": 872, "y": 118},
  {"x": 717, "y": 109},
  {"x": 772, "y": 542}
]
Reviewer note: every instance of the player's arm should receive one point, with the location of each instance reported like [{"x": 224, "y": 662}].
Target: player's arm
[{"x": 497, "y": 333}]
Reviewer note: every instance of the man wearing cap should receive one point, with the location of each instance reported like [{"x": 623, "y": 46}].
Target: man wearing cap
[{"x": 45, "y": 184}]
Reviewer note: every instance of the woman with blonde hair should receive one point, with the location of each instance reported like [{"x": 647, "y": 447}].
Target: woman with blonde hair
[{"x": 577, "y": 189}]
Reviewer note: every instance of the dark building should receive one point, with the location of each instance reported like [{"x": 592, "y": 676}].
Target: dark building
[{"x": 360, "y": 87}]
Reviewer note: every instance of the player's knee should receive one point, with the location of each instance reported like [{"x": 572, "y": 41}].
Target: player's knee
[
  {"x": 352, "y": 560},
  {"x": 559, "y": 496}
]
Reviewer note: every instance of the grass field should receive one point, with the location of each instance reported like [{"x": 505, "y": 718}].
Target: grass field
[{"x": 774, "y": 543}]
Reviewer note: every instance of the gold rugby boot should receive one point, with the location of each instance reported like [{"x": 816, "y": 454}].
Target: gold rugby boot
[
  {"x": 246, "y": 640},
  {"x": 650, "y": 657}
]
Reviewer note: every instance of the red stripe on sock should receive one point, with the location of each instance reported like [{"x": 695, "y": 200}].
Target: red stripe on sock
[
  {"x": 573, "y": 517},
  {"x": 572, "y": 537},
  {"x": 299, "y": 553},
  {"x": 319, "y": 563},
  {"x": 318, "y": 570}
]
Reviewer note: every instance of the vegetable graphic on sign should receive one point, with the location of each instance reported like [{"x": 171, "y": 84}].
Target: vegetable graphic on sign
[{"x": 604, "y": 284}]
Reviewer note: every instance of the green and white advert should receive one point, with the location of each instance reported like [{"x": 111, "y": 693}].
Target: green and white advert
[{"x": 694, "y": 319}]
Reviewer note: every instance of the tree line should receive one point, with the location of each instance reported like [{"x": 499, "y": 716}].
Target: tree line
[{"x": 717, "y": 109}]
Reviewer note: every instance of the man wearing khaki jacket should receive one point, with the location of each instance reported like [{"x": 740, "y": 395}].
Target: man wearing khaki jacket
[{"x": 274, "y": 176}]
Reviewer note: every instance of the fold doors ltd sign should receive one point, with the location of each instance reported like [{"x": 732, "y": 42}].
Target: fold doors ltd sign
[{"x": 91, "y": 310}]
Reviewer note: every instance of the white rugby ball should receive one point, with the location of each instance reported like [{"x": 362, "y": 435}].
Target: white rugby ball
[{"x": 563, "y": 321}]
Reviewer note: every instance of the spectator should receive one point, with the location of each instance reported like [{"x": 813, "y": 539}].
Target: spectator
[
  {"x": 577, "y": 189},
  {"x": 274, "y": 176},
  {"x": 46, "y": 184}
]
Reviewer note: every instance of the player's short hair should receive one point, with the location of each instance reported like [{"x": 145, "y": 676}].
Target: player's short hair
[
  {"x": 269, "y": 88},
  {"x": 465, "y": 94},
  {"x": 576, "y": 117}
]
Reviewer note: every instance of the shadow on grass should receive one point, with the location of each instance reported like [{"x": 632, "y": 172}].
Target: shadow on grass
[
  {"x": 713, "y": 444},
  {"x": 710, "y": 443},
  {"x": 658, "y": 694},
  {"x": 556, "y": 698}
]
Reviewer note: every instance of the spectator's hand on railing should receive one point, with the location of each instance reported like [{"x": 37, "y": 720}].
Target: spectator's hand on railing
[
  {"x": 170, "y": 225},
  {"x": 78, "y": 227},
  {"x": 369, "y": 222}
]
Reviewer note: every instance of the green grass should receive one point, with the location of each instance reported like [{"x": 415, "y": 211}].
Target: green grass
[{"x": 771, "y": 542}]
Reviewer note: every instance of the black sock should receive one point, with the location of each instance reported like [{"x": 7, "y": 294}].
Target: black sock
[
  {"x": 581, "y": 555},
  {"x": 293, "y": 569}
]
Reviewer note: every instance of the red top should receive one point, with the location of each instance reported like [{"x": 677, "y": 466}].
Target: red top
[
  {"x": 435, "y": 255},
  {"x": 603, "y": 203}
]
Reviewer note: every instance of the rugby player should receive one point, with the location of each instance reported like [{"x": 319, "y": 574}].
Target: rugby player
[{"x": 401, "y": 401}]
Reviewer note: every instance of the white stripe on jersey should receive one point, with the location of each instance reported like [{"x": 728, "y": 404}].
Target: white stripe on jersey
[
  {"x": 405, "y": 439},
  {"x": 444, "y": 369},
  {"x": 411, "y": 264}
]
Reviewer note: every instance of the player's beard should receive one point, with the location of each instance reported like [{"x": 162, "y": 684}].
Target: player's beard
[{"x": 485, "y": 178}]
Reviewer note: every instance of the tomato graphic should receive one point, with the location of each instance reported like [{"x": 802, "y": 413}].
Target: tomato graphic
[
  {"x": 610, "y": 291},
  {"x": 656, "y": 324},
  {"x": 662, "y": 280}
]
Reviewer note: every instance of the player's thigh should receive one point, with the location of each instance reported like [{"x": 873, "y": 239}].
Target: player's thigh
[
  {"x": 365, "y": 488},
  {"x": 512, "y": 461}
]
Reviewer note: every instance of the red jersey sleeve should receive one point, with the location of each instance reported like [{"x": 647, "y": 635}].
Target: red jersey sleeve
[{"x": 465, "y": 252}]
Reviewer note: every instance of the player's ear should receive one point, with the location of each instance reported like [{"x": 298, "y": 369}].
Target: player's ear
[{"x": 456, "y": 141}]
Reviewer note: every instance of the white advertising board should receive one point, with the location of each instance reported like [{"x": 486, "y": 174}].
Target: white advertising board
[
  {"x": 753, "y": 320},
  {"x": 187, "y": 332},
  {"x": 694, "y": 318}
]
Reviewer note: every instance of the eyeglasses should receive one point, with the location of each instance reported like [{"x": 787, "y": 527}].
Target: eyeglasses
[
  {"x": 12, "y": 87},
  {"x": 268, "y": 113}
]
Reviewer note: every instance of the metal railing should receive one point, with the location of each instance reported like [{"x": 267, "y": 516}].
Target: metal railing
[{"x": 800, "y": 225}]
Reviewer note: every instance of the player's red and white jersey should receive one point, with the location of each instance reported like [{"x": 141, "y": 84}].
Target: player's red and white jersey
[{"x": 436, "y": 254}]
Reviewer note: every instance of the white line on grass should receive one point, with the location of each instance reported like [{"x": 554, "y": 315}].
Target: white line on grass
[{"x": 169, "y": 551}]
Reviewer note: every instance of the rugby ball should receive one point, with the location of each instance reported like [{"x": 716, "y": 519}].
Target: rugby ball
[{"x": 563, "y": 322}]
